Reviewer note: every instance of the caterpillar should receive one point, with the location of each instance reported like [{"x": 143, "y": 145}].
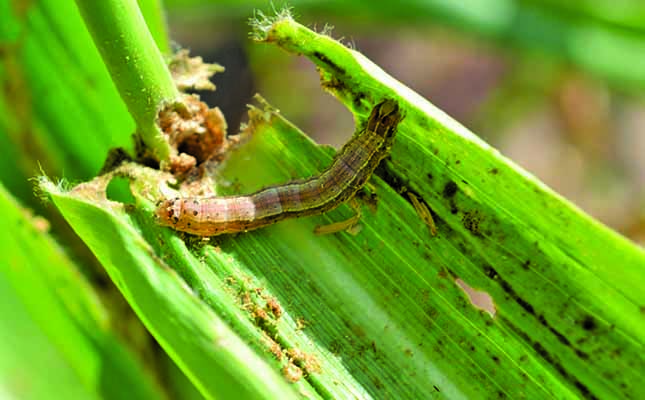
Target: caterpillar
[{"x": 350, "y": 169}]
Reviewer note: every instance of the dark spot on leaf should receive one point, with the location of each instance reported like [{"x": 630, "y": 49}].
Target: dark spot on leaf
[
  {"x": 377, "y": 382},
  {"x": 335, "y": 85},
  {"x": 329, "y": 63},
  {"x": 335, "y": 347},
  {"x": 584, "y": 390},
  {"x": 423, "y": 123},
  {"x": 582, "y": 354},
  {"x": 557, "y": 334},
  {"x": 490, "y": 272},
  {"x": 470, "y": 221},
  {"x": 450, "y": 189},
  {"x": 589, "y": 323},
  {"x": 524, "y": 304},
  {"x": 358, "y": 99}
]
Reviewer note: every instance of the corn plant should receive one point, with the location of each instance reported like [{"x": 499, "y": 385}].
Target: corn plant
[{"x": 376, "y": 311}]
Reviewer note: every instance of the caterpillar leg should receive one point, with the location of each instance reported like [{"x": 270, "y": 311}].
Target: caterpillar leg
[
  {"x": 424, "y": 212},
  {"x": 349, "y": 225},
  {"x": 366, "y": 196}
]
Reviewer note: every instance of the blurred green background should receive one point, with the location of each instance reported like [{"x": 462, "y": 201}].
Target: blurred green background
[{"x": 557, "y": 87}]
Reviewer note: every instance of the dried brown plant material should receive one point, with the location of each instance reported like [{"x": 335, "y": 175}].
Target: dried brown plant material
[
  {"x": 192, "y": 72},
  {"x": 196, "y": 133}
]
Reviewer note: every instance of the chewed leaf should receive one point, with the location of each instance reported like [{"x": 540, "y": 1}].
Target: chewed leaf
[
  {"x": 281, "y": 311},
  {"x": 550, "y": 269},
  {"x": 192, "y": 72},
  {"x": 54, "y": 324},
  {"x": 214, "y": 357},
  {"x": 349, "y": 171}
]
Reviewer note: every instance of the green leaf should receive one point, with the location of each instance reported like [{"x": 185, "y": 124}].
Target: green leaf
[
  {"x": 380, "y": 314},
  {"x": 550, "y": 269},
  {"x": 217, "y": 361},
  {"x": 63, "y": 112},
  {"x": 55, "y": 335}
]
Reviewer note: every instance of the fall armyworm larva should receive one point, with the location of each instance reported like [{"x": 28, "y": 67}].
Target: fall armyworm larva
[{"x": 348, "y": 172}]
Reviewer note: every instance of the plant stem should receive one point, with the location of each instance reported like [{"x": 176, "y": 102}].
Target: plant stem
[
  {"x": 153, "y": 13},
  {"x": 135, "y": 64}
]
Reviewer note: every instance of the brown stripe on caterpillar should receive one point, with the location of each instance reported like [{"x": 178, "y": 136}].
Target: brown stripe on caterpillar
[{"x": 349, "y": 171}]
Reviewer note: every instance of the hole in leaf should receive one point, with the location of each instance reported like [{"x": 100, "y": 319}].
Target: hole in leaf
[
  {"x": 119, "y": 190},
  {"x": 478, "y": 298}
]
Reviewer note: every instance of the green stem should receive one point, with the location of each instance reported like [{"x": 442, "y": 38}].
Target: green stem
[
  {"x": 153, "y": 13},
  {"x": 135, "y": 64}
]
